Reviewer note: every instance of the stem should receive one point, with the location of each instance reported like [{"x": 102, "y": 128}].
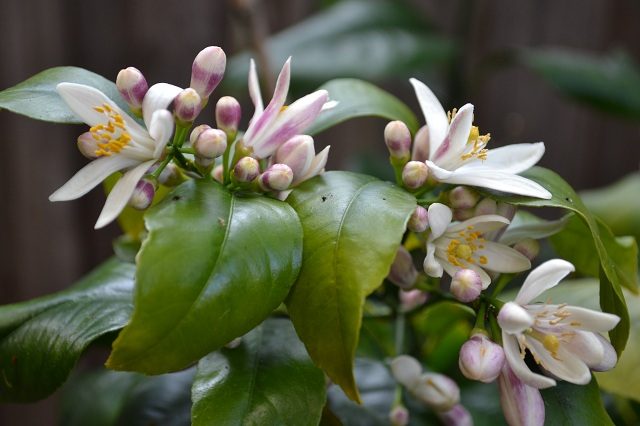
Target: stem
[
  {"x": 399, "y": 332},
  {"x": 495, "y": 329},
  {"x": 187, "y": 151},
  {"x": 167, "y": 159},
  {"x": 479, "y": 327},
  {"x": 501, "y": 284}
]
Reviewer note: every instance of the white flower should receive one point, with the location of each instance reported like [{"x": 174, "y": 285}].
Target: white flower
[
  {"x": 563, "y": 339},
  {"x": 121, "y": 143},
  {"x": 455, "y": 246},
  {"x": 458, "y": 154}
]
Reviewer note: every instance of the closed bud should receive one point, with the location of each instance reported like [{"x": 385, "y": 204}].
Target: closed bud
[
  {"x": 278, "y": 177},
  {"x": 246, "y": 170},
  {"x": 210, "y": 144},
  {"x": 436, "y": 391},
  {"x": 521, "y": 404},
  {"x": 513, "y": 318},
  {"x": 414, "y": 174},
  {"x": 506, "y": 210},
  {"x": 398, "y": 139},
  {"x": 143, "y": 194},
  {"x": 193, "y": 137},
  {"x": 87, "y": 145},
  {"x": 486, "y": 206},
  {"x": 228, "y": 114},
  {"x": 406, "y": 370},
  {"x": 419, "y": 220},
  {"x": 411, "y": 299},
  {"x": 132, "y": 87},
  {"x": 217, "y": 173},
  {"x": 457, "y": 416},
  {"x": 187, "y": 105},
  {"x": 399, "y": 416},
  {"x": 528, "y": 247},
  {"x": 207, "y": 70},
  {"x": 463, "y": 214},
  {"x": 420, "y": 150},
  {"x": 297, "y": 153},
  {"x": 481, "y": 359},
  {"x": 462, "y": 197},
  {"x": 466, "y": 285},
  {"x": 169, "y": 176},
  {"x": 403, "y": 273}
]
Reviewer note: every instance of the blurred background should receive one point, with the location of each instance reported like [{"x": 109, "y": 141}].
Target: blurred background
[{"x": 565, "y": 73}]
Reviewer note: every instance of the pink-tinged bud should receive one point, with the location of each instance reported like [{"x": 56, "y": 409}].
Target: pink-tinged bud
[
  {"x": 399, "y": 416},
  {"x": 398, "y": 139},
  {"x": 437, "y": 391},
  {"x": 193, "y": 137},
  {"x": 187, "y": 105},
  {"x": 506, "y": 210},
  {"x": 132, "y": 87},
  {"x": 421, "y": 145},
  {"x": 88, "y": 145},
  {"x": 419, "y": 220},
  {"x": 513, "y": 318},
  {"x": 411, "y": 299},
  {"x": 481, "y": 359},
  {"x": 143, "y": 194},
  {"x": 207, "y": 70},
  {"x": 457, "y": 416},
  {"x": 414, "y": 174},
  {"x": 228, "y": 114},
  {"x": 486, "y": 206},
  {"x": 276, "y": 178},
  {"x": 462, "y": 197},
  {"x": 297, "y": 153},
  {"x": 406, "y": 370},
  {"x": 463, "y": 214},
  {"x": 466, "y": 285},
  {"x": 169, "y": 176},
  {"x": 246, "y": 170},
  {"x": 522, "y": 405},
  {"x": 210, "y": 144},
  {"x": 528, "y": 247},
  {"x": 217, "y": 173},
  {"x": 403, "y": 273}
]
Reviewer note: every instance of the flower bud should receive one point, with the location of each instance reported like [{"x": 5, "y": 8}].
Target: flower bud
[
  {"x": 421, "y": 145},
  {"x": 528, "y": 247},
  {"x": 419, "y": 220},
  {"x": 462, "y": 197},
  {"x": 437, "y": 391},
  {"x": 411, "y": 299},
  {"x": 513, "y": 318},
  {"x": 88, "y": 145},
  {"x": 187, "y": 105},
  {"x": 406, "y": 370},
  {"x": 399, "y": 416},
  {"x": 132, "y": 87},
  {"x": 143, "y": 194},
  {"x": 169, "y": 176},
  {"x": 457, "y": 416},
  {"x": 463, "y": 214},
  {"x": 210, "y": 144},
  {"x": 398, "y": 139},
  {"x": 193, "y": 137},
  {"x": 204, "y": 163},
  {"x": 207, "y": 70},
  {"x": 481, "y": 359},
  {"x": 414, "y": 174},
  {"x": 506, "y": 210},
  {"x": 217, "y": 173},
  {"x": 246, "y": 170},
  {"x": 403, "y": 273},
  {"x": 297, "y": 153},
  {"x": 521, "y": 404},
  {"x": 276, "y": 178},
  {"x": 466, "y": 285},
  {"x": 486, "y": 206},
  {"x": 228, "y": 114}
]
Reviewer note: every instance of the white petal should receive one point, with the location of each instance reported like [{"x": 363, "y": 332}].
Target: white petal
[
  {"x": 586, "y": 346},
  {"x": 90, "y": 176},
  {"x": 121, "y": 193},
  {"x": 522, "y": 405},
  {"x": 511, "y": 158},
  {"x": 609, "y": 358},
  {"x": 439, "y": 217},
  {"x": 159, "y": 96},
  {"x": 254, "y": 90},
  {"x": 565, "y": 366},
  {"x": 434, "y": 114},
  {"x": 514, "y": 319},
  {"x": 519, "y": 367},
  {"x": 431, "y": 265},
  {"x": 329, "y": 105},
  {"x": 501, "y": 258},
  {"x": 453, "y": 146},
  {"x": 590, "y": 320},
  {"x": 542, "y": 278},
  {"x": 161, "y": 129},
  {"x": 316, "y": 167},
  {"x": 483, "y": 223}
]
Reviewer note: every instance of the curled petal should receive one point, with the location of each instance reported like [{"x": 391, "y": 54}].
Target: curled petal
[
  {"x": 511, "y": 158},
  {"x": 434, "y": 114},
  {"x": 563, "y": 364},
  {"x": 454, "y": 143},
  {"x": 590, "y": 320},
  {"x": 160, "y": 129},
  {"x": 518, "y": 366},
  {"x": 158, "y": 97},
  {"x": 432, "y": 267},
  {"x": 439, "y": 218},
  {"x": 254, "y": 90},
  {"x": 542, "y": 278},
  {"x": 316, "y": 167}
]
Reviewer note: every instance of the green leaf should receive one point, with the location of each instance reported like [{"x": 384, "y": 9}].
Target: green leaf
[
  {"x": 214, "y": 265},
  {"x": 610, "y": 83},
  {"x": 352, "y": 225},
  {"x": 569, "y": 404},
  {"x": 357, "y": 98},
  {"x": 37, "y": 98},
  {"x": 42, "y": 339},
  {"x": 565, "y": 197},
  {"x": 267, "y": 380}
]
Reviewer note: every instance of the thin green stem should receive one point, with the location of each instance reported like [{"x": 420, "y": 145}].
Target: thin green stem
[
  {"x": 479, "y": 326},
  {"x": 187, "y": 151},
  {"x": 399, "y": 332},
  {"x": 495, "y": 329},
  {"x": 501, "y": 284},
  {"x": 167, "y": 160}
]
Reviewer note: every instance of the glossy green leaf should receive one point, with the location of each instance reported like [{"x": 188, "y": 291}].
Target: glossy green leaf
[
  {"x": 214, "y": 265},
  {"x": 575, "y": 405},
  {"x": 352, "y": 225},
  {"x": 357, "y": 98},
  {"x": 565, "y": 197},
  {"x": 610, "y": 83},
  {"x": 37, "y": 98},
  {"x": 42, "y": 339},
  {"x": 267, "y": 380}
]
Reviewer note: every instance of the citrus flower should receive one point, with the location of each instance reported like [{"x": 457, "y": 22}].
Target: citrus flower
[
  {"x": 458, "y": 153},
  {"x": 121, "y": 144},
  {"x": 563, "y": 339}
]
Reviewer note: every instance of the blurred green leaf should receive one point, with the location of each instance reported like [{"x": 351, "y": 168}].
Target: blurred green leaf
[
  {"x": 610, "y": 83},
  {"x": 37, "y": 98},
  {"x": 575, "y": 405}
]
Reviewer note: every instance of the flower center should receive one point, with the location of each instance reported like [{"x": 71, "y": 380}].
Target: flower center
[
  {"x": 111, "y": 137},
  {"x": 463, "y": 248},
  {"x": 476, "y": 145}
]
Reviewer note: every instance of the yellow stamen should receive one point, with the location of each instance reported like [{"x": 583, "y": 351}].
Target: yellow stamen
[
  {"x": 113, "y": 132},
  {"x": 551, "y": 343}
]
